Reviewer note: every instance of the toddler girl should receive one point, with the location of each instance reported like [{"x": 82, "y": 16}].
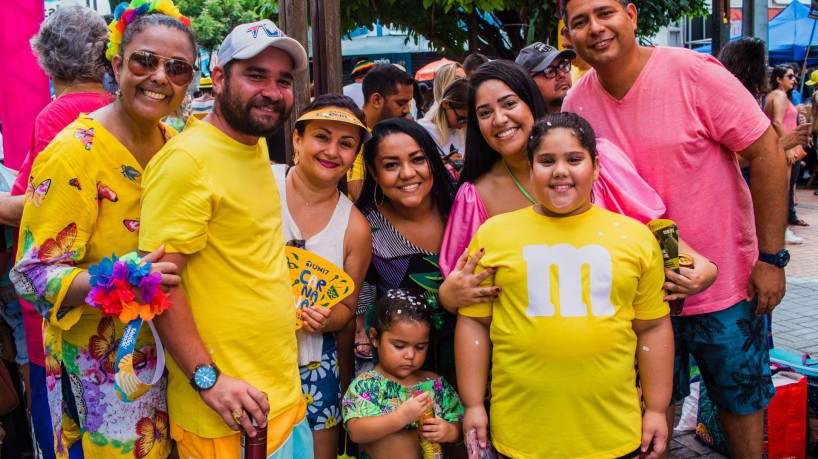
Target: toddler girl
[{"x": 382, "y": 407}]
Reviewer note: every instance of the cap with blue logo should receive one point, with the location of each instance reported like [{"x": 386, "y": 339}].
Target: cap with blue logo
[{"x": 248, "y": 40}]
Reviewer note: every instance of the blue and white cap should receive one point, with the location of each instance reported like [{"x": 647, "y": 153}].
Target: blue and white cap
[{"x": 248, "y": 40}]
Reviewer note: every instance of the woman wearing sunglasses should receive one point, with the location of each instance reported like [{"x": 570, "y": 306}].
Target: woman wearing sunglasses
[
  {"x": 82, "y": 204},
  {"x": 69, "y": 47},
  {"x": 784, "y": 117},
  {"x": 446, "y": 122}
]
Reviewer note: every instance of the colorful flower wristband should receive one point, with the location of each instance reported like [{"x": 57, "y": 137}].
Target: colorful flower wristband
[{"x": 112, "y": 282}]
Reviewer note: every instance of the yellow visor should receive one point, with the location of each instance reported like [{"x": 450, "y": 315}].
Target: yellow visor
[{"x": 336, "y": 114}]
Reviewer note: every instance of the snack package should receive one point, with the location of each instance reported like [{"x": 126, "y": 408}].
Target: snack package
[
  {"x": 476, "y": 451},
  {"x": 431, "y": 450},
  {"x": 666, "y": 232}
]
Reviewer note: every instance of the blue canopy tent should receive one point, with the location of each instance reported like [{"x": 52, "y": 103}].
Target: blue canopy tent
[{"x": 791, "y": 33}]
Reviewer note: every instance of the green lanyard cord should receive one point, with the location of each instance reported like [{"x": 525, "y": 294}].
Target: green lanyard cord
[{"x": 522, "y": 190}]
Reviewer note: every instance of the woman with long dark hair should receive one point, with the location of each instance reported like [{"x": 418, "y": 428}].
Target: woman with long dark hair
[
  {"x": 784, "y": 117},
  {"x": 746, "y": 58},
  {"x": 406, "y": 197},
  {"x": 504, "y": 102}
]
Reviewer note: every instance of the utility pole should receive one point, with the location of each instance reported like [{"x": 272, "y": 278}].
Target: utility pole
[
  {"x": 720, "y": 27},
  {"x": 292, "y": 18},
  {"x": 754, "y": 22},
  {"x": 326, "y": 46}
]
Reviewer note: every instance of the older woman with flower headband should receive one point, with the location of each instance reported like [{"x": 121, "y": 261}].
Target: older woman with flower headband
[
  {"x": 83, "y": 204},
  {"x": 69, "y": 48},
  {"x": 320, "y": 219}
]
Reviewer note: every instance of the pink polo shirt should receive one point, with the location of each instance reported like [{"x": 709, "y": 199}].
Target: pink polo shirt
[{"x": 680, "y": 124}]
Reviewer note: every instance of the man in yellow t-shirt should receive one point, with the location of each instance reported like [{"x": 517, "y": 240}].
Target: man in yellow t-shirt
[
  {"x": 564, "y": 331},
  {"x": 210, "y": 197}
]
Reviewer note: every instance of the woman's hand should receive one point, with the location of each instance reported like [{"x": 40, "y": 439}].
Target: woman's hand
[
  {"x": 168, "y": 270},
  {"x": 315, "y": 319},
  {"x": 462, "y": 286},
  {"x": 792, "y": 156},
  {"x": 654, "y": 435},
  {"x": 801, "y": 135},
  {"x": 475, "y": 418}
]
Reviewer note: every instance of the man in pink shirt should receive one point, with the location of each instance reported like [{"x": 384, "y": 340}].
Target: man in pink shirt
[{"x": 682, "y": 118}]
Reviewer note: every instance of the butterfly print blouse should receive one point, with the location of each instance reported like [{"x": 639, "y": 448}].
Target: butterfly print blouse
[{"x": 82, "y": 204}]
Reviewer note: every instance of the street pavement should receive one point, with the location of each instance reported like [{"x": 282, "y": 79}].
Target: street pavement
[{"x": 795, "y": 320}]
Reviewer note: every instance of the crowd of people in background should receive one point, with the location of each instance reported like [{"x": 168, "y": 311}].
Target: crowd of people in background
[
  {"x": 777, "y": 92},
  {"x": 508, "y": 293}
]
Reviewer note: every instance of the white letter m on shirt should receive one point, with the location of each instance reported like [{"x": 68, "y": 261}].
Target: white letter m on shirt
[{"x": 569, "y": 261}]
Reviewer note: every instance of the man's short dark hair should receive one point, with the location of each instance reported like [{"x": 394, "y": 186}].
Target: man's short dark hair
[
  {"x": 564, "y": 12},
  {"x": 384, "y": 79},
  {"x": 472, "y": 61}
]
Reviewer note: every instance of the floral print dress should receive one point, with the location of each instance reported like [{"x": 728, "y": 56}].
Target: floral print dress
[{"x": 82, "y": 204}]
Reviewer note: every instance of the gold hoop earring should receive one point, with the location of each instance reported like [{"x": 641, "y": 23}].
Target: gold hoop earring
[{"x": 375, "y": 196}]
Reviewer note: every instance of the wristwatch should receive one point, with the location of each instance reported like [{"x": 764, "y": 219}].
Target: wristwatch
[
  {"x": 204, "y": 377},
  {"x": 779, "y": 259}
]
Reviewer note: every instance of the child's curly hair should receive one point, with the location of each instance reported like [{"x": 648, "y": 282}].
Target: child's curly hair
[{"x": 400, "y": 305}]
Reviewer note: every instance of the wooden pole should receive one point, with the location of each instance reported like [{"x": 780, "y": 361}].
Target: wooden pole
[
  {"x": 326, "y": 46},
  {"x": 332, "y": 21},
  {"x": 720, "y": 28},
  {"x": 754, "y": 19},
  {"x": 293, "y": 21}
]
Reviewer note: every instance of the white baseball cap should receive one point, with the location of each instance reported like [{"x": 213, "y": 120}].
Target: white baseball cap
[{"x": 248, "y": 40}]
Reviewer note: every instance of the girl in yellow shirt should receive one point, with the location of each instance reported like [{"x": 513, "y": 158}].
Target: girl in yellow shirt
[{"x": 581, "y": 295}]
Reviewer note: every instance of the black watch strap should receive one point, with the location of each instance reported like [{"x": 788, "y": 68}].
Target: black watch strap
[{"x": 780, "y": 259}]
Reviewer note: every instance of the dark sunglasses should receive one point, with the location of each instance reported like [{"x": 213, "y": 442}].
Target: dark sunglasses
[
  {"x": 551, "y": 72},
  {"x": 460, "y": 119},
  {"x": 790, "y": 76},
  {"x": 142, "y": 63}
]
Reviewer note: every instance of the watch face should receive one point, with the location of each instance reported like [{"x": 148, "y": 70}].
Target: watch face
[
  {"x": 784, "y": 258},
  {"x": 205, "y": 377}
]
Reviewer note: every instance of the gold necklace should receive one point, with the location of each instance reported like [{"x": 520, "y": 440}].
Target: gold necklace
[{"x": 309, "y": 203}]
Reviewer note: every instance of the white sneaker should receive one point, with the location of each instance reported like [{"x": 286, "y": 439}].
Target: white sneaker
[{"x": 791, "y": 238}]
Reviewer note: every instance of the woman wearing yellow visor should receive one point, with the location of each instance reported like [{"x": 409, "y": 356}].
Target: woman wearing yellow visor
[{"x": 317, "y": 217}]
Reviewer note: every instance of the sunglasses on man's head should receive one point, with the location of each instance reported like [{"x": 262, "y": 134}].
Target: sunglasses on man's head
[{"x": 142, "y": 63}]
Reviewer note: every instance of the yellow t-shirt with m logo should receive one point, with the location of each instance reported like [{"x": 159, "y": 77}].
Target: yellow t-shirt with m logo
[{"x": 563, "y": 378}]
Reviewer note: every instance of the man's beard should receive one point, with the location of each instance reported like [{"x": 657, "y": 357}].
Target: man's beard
[{"x": 238, "y": 116}]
